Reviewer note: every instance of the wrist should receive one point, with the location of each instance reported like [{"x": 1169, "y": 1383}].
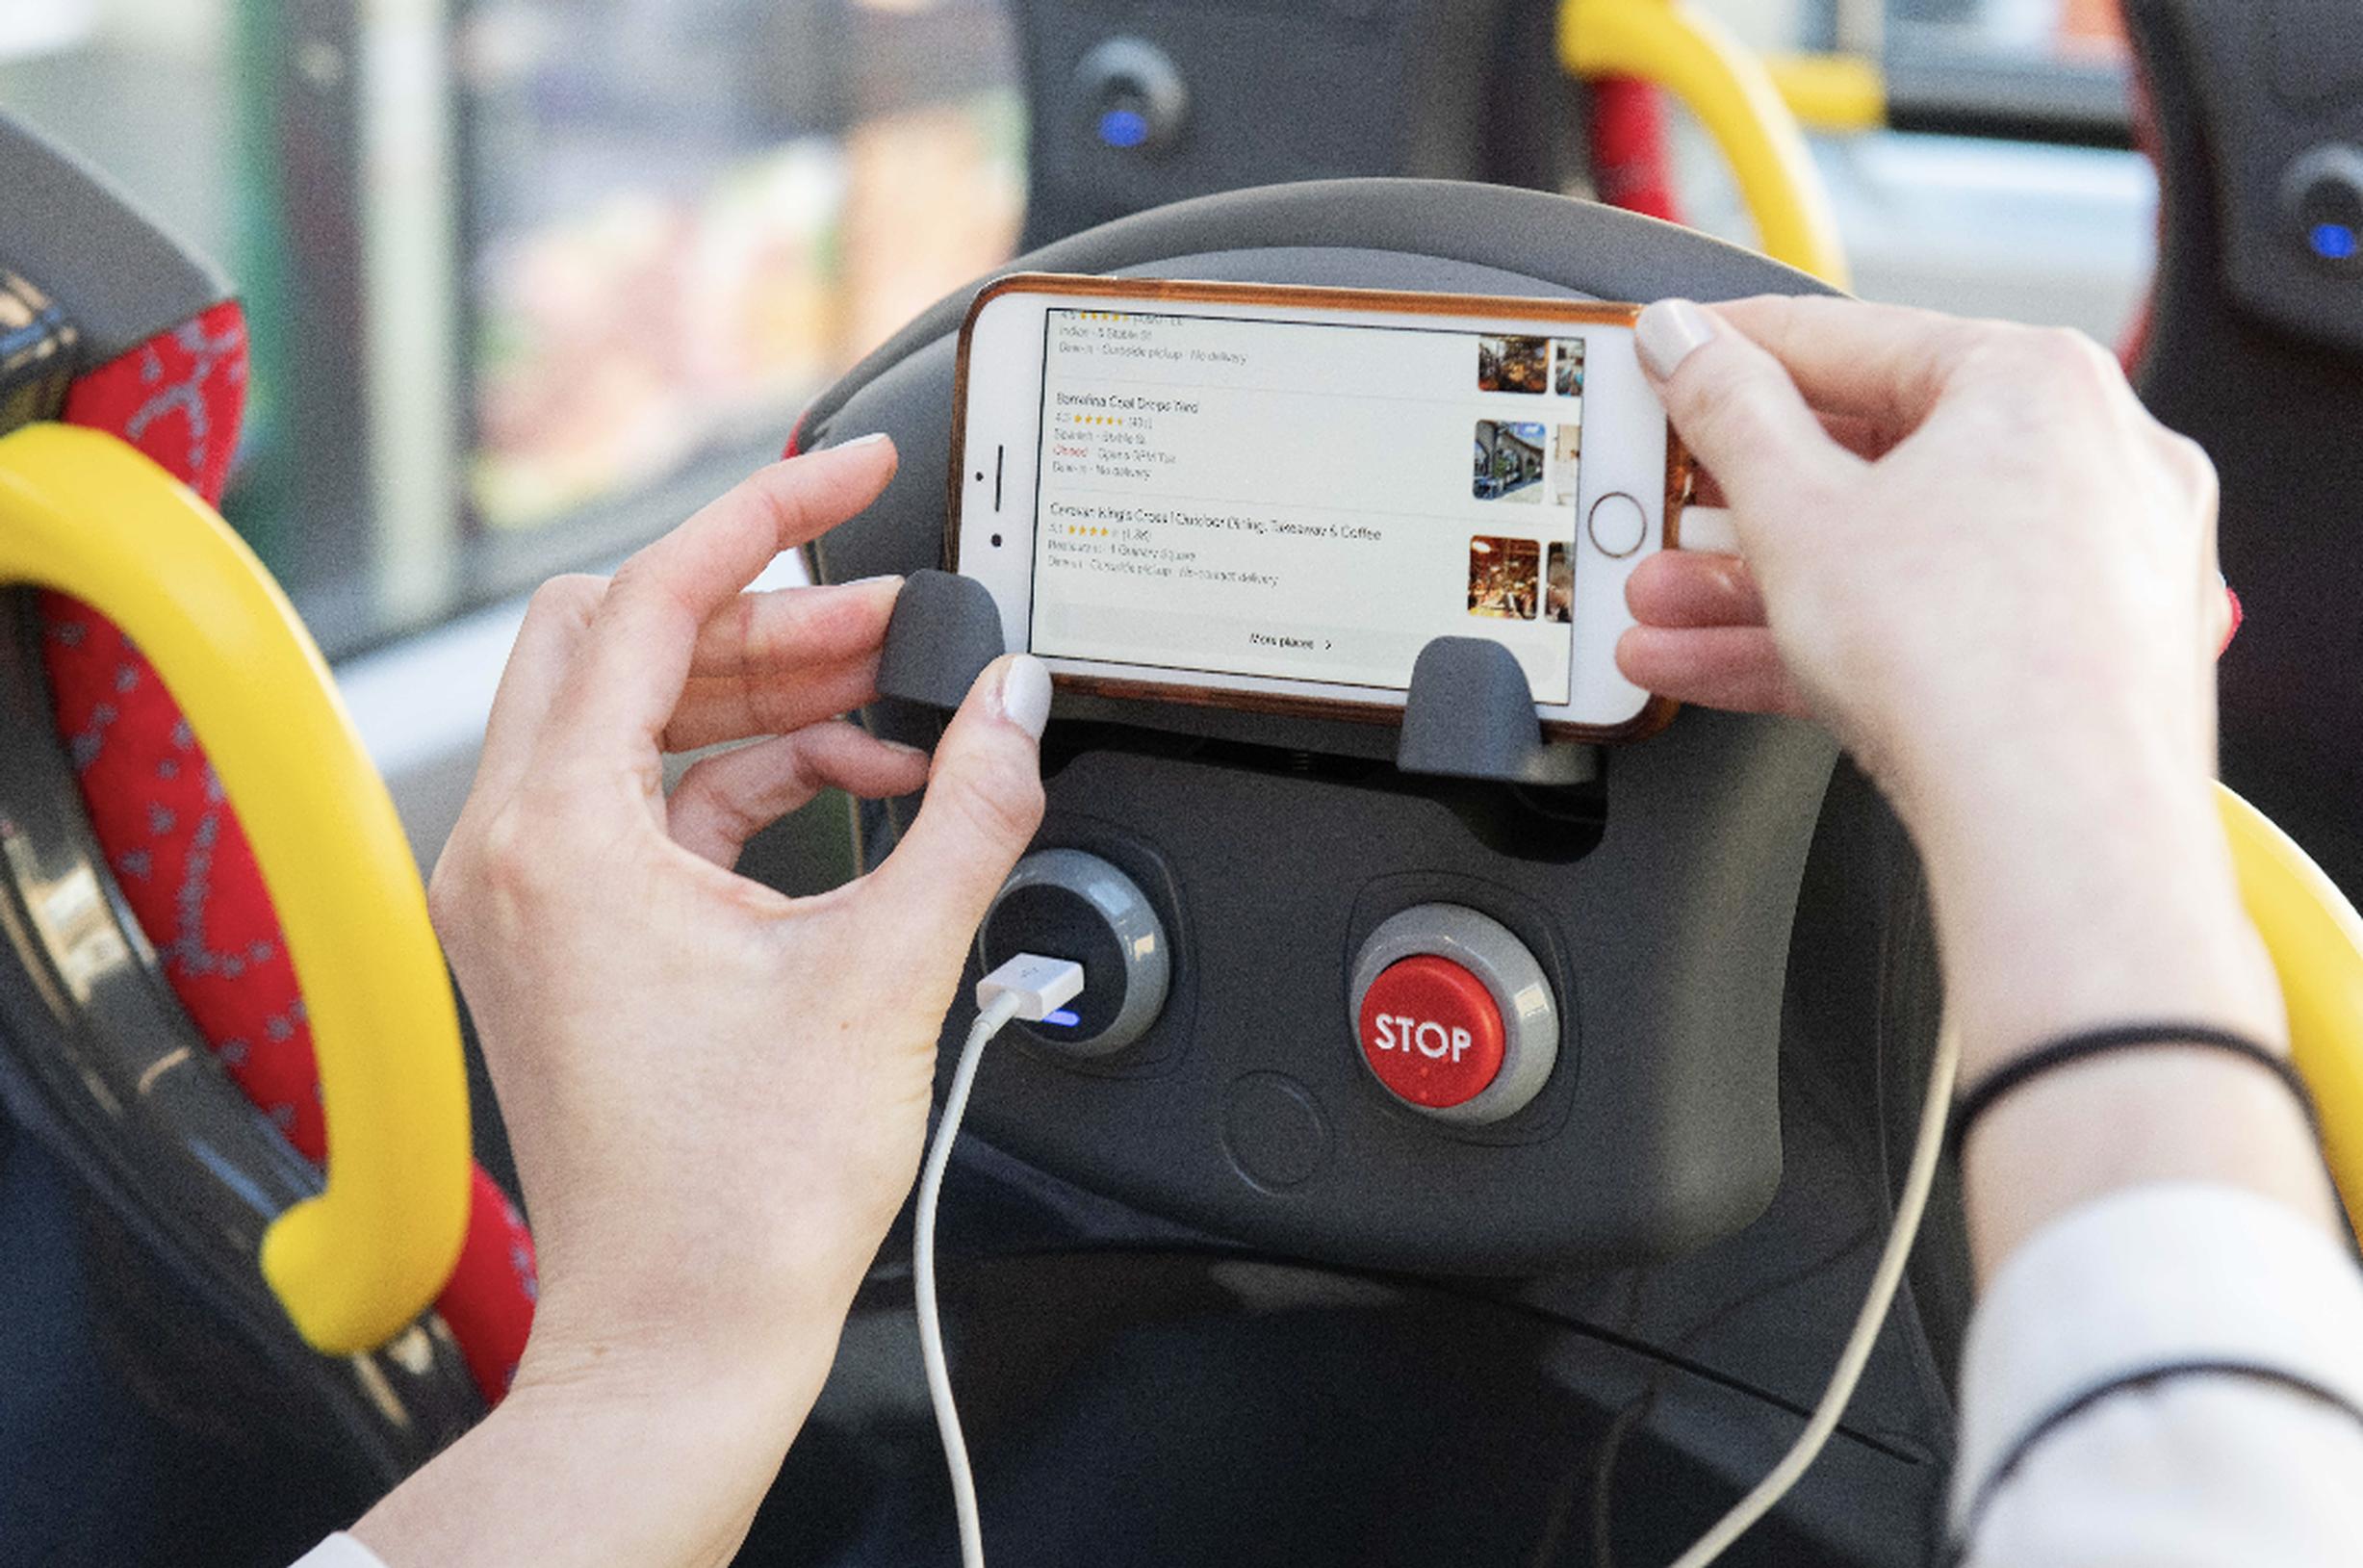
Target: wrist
[
  {"x": 763, "y": 1360},
  {"x": 2065, "y": 902},
  {"x": 594, "y": 1472},
  {"x": 2110, "y": 1122}
]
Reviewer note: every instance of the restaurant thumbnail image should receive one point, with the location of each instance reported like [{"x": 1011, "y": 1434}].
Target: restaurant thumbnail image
[
  {"x": 1559, "y": 585},
  {"x": 1567, "y": 366},
  {"x": 1505, "y": 577},
  {"x": 1566, "y": 465},
  {"x": 1513, "y": 365},
  {"x": 1509, "y": 461}
]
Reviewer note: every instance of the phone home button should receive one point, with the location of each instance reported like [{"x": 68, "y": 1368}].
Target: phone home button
[{"x": 1618, "y": 524}]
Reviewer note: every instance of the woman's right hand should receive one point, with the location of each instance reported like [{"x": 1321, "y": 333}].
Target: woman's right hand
[
  {"x": 1972, "y": 555},
  {"x": 717, "y": 1094},
  {"x": 1974, "y": 544}
]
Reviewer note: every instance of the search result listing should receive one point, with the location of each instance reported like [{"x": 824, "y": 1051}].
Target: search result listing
[{"x": 1308, "y": 501}]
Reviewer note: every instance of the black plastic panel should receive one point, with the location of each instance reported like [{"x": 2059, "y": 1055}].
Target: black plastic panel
[
  {"x": 1181, "y": 1410},
  {"x": 1372, "y": 88},
  {"x": 2275, "y": 81},
  {"x": 1659, "y": 897},
  {"x": 2272, "y": 385}
]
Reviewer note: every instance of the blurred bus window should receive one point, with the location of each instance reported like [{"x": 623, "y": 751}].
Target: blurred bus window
[
  {"x": 2050, "y": 70},
  {"x": 2004, "y": 183},
  {"x": 2041, "y": 71},
  {"x": 688, "y": 215},
  {"x": 530, "y": 279}
]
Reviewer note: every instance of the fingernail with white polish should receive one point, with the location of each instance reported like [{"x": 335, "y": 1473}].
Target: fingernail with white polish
[
  {"x": 1025, "y": 694},
  {"x": 870, "y": 440},
  {"x": 1669, "y": 332}
]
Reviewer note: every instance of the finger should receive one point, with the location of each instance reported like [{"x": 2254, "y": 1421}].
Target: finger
[
  {"x": 638, "y": 658},
  {"x": 555, "y": 619},
  {"x": 1729, "y": 667},
  {"x": 725, "y": 800},
  {"x": 1737, "y": 411},
  {"x": 718, "y": 709},
  {"x": 1888, "y": 364},
  {"x": 1676, "y": 588},
  {"x": 785, "y": 629},
  {"x": 983, "y": 802},
  {"x": 1867, "y": 438}
]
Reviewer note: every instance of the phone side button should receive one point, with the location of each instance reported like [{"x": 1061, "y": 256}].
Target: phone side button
[{"x": 1618, "y": 524}]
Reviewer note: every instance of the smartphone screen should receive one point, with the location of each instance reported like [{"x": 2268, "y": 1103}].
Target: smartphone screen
[{"x": 1312, "y": 500}]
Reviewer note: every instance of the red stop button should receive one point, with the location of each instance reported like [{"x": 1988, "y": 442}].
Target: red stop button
[{"x": 1432, "y": 1032}]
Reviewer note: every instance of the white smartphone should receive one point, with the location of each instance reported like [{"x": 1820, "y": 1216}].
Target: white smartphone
[{"x": 1273, "y": 497}]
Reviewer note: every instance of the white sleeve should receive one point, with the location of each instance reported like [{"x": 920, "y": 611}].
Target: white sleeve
[
  {"x": 2170, "y": 1376},
  {"x": 340, "y": 1550}
]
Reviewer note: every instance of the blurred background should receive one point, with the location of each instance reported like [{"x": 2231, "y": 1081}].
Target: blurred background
[{"x": 530, "y": 279}]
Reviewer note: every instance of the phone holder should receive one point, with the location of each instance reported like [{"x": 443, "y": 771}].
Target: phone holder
[
  {"x": 1470, "y": 714},
  {"x": 944, "y": 630}
]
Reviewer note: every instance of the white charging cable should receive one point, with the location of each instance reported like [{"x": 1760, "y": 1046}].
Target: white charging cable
[
  {"x": 1885, "y": 1280},
  {"x": 1711, "y": 529},
  {"x": 1029, "y": 987}
]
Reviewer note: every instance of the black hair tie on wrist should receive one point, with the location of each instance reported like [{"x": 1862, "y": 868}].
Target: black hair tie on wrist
[{"x": 1983, "y": 1095}]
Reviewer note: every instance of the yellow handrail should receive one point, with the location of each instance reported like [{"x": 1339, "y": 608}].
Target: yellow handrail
[
  {"x": 1839, "y": 94},
  {"x": 1729, "y": 91},
  {"x": 84, "y": 513},
  {"x": 2316, "y": 942}
]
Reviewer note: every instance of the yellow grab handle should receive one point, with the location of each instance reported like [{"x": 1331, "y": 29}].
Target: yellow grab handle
[
  {"x": 1832, "y": 92},
  {"x": 1734, "y": 95},
  {"x": 84, "y": 513},
  {"x": 2316, "y": 941}
]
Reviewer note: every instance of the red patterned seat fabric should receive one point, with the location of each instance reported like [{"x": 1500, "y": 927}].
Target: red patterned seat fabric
[{"x": 176, "y": 844}]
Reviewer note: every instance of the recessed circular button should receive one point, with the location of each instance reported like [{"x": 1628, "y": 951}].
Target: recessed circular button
[
  {"x": 1618, "y": 524},
  {"x": 1135, "y": 98},
  {"x": 2323, "y": 197},
  {"x": 1431, "y": 1033}
]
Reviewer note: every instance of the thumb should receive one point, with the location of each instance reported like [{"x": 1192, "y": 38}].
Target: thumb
[
  {"x": 983, "y": 802},
  {"x": 1736, "y": 408}
]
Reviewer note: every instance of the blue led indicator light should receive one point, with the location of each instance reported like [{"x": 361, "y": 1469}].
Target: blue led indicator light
[
  {"x": 1064, "y": 1017},
  {"x": 2335, "y": 242},
  {"x": 1124, "y": 128}
]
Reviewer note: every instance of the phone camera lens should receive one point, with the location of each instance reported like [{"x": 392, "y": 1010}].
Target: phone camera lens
[{"x": 996, "y": 541}]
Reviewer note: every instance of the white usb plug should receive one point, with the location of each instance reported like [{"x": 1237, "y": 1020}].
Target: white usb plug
[{"x": 1041, "y": 987}]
